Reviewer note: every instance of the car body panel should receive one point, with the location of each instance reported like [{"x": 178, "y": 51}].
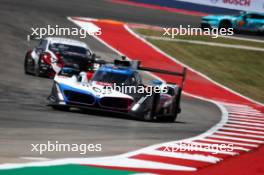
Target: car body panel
[{"x": 253, "y": 22}]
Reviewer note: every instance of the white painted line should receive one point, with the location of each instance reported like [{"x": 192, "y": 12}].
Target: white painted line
[
  {"x": 214, "y": 44},
  {"x": 229, "y": 142},
  {"x": 239, "y": 134},
  {"x": 227, "y": 104},
  {"x": 35, "y": 158},
  {"x": 242, "y": 39},
  {"x": 187, "y": 156},
  {"x": 244, "y": 110},
  {"x": 247, "y": 120},
  {"x": 247, "y": 117},
  {"x": 136, "y": 163},
  {"x": 238, "y": 107},
  {"x": 249, "y": 114},
  {"x": 244, "y": 126},
  {"x": 241, "y": 108},
  {"x": 236, "y": 138},
  {"x": 201, "y": 136},
  {"x": 243, "y": 130},
  {"x": 244, "y": 123}
]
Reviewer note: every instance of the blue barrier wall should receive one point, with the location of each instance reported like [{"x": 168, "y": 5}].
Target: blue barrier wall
[{"x": 188, "y": 6}]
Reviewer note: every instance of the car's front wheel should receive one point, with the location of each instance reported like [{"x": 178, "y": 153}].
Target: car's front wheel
[
  {"x": 27, "y": 64},
  {"x": 150, "y": 114},
  {"x": 60, "y": 108}
]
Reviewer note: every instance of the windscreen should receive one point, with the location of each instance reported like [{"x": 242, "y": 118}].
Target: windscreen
[
  {"x": 111, "y": 77},
  {"x": 57, "y": 47}
]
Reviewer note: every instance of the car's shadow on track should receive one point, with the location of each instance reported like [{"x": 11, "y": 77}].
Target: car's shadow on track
[{"x": 99, "y": 113}]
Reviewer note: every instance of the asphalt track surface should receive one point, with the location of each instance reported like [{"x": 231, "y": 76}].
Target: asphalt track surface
[{"x": 24, "y": 117}]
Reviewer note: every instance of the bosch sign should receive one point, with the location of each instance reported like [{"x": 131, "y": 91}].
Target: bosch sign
[
  {"x": 238, "y": 2},
  {"x": 241, "y": 5}
]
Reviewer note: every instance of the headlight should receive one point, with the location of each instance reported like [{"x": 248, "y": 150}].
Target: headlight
[
  {"x": 135, "y": 107},
  {"x": 59, "y": 93}
]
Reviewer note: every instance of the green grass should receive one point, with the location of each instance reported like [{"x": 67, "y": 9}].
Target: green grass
[
  {"x": 67, "y": 169},
  {"x": 204, "y": 38},
  {"x": 240, "y": 70}
]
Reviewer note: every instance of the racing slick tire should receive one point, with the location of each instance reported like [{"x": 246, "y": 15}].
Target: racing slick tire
[
  {"x": 60, "y": 108},
  {"x": 176, "y": 107},
  {"x": 26, "y": 64},
  {"x": 150, "y": 114},
  {"x": 225, "y": 24}
]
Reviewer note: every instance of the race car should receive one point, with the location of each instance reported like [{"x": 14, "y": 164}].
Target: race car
[
  {"x": 251, "y": 22},
  {"x": 53, "y": 53},
  {"x": 72, "y": 89}
]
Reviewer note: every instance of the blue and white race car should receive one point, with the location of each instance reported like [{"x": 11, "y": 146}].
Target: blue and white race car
[
  {"x": 108, "y": 90},
  {"x": 251, "y": 22}
]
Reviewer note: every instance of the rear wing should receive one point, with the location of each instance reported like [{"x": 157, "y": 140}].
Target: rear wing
[
  {"x": 181, "y": 74},
  {"x": 135, "y": 64}
]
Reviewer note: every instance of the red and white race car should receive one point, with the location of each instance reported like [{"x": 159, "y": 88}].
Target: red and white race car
[{"x": 53, "y": 53}]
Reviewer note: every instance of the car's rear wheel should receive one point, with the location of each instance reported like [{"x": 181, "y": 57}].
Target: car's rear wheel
[
  {"x": 176, "y": 107},
  {"x": 26, "y": 65},
  {"x": 205, "y": 26},
  {"x": 260, "y": 33},
  {"x": 37, "y": 72},
  {"x": 225, "y": 24}
]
